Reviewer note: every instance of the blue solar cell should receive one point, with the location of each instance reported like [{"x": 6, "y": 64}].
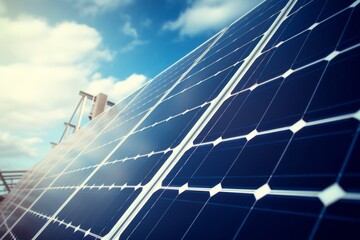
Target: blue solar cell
[
  {"x": 253, "y": 74},
  {"x": 273, "y": 224},
  {"x": 158, "y": 138},
  {"x": 292, "y": 98},
  {"x": 302, "y": 19},
  {"x": 187, "y": 165},
  {"x": 290, "y": 204},
  {"x": 71, "y": 178},
  {"x": 263, "y": 12},
  {"x": 221, "y": 217},
  {"x": 324, "y": 38},
  {"x": 213, "y": 130},
  {"x": 252, "y": 110},
  {"x": 144, "y": 224},
  {"x": 60, "y": 232},
  {"x": 122, "y": 172},
  {"x": 51, "y": 201},
  {"x": 91, "y": 157},
  {"x": 350, "y": 176},
  {"x": 333, "y": 7},
  {"x": 282, "y": 58},
  {"x": 216, "y": 164},
  {"x": 23, "y": 230},
  {"x": 272, "y": 63},
  {"x": 168, "y": 225},
  {"x": 97, "y": 209},
  {"x": 338, "y": 90},
  {"x": 314, "y": 157},
  {"x": 253, "y": 31},
  {"x": 256, "y": 162},
  {"x": 14, "y": 216},
  {"x": 191, "y": 98},
  {"x": 341, "y": 220},
  {"x": 299, "y": 4},
  {"x": 351, "y": 35},
  {"x": 29, "y": 197}
]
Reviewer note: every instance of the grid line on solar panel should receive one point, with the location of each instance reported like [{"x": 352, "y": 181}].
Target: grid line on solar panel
[
  {"x": 288, "y": 72},
  {"x": 27, "y": 176},
  {"x": 150, "y": 126},
  {"x": 117, "y": 130},
  {"x": 345, "y": 162},
  {"x": 106, "y": 158},
  {"x": 124, "y": 221},
  {"x": 115, "y": 161},
  {"x": 355, "y": 115},
  {"x": 94, "y": 166},
  {"x": 324, "y": 196},
  {"x": 219, "y": 58},
  {"x": 308, "y": 175},
  {"x": 7, "y": 227},
  {"x": 257, "y": 192},
  {"x": 309, "y": 29},
  {"x": 169, "y": 73},
  {"x": 353, "y": 196},
  {"x": 356, "y": 118},
  {"x": 203, "y": 95},
  {"x": 229, "y": 35},
  {"x": 328, "y": 58},
  {"x": 35, "y": 172},
  {"x": 293, "y": 128},
  {"x": 20, "y": 198},
  {"x": 60, "y": 222},
  {"x": 3, "y": 219},
  {"x": 123, "y": 122},
  {"x": 125, "y": 159},
  {"x": 260, "y": 84},
  {"x": 66, "y": 141}
]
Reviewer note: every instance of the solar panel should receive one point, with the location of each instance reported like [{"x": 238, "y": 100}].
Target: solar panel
[{"x": 254, "y": 134}]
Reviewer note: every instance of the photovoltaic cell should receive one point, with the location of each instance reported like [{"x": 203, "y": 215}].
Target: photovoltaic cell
[
  {"x": 79, "y": 169},
  {"x": 282, "y": 168},
  {"x": 80, "y": 162},
  {"x": 252, "y": 135}
]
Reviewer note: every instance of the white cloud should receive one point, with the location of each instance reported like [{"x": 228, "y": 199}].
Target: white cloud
[
  {"x": 146, "y": 23},
  {"x": 208, "y": 15},
  {"x": 115, "y": 89},
  {"x": 94, "y": 7},
  {"x": 13, "y": 146},
  {"x": 42, "y": 69},
  {"x": 132, "y": 45},
  {"x": 129, "y": 30},
  {"x": 33, "y": 41},
  {"x": 2, "y": 7}
]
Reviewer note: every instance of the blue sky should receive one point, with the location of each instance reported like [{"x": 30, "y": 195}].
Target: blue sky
[{"x": 50, "y": 50}]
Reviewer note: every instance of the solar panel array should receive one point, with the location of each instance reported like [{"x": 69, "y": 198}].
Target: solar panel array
[{"x": 254, "y": 134}]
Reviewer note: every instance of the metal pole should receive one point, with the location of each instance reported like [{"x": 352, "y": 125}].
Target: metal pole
[
  {"x": 80, "y": 114},
  {"x": 66, "y": 132},
  {"x": 4, "y": 181},
  {"x": 13, "y": 171}
]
